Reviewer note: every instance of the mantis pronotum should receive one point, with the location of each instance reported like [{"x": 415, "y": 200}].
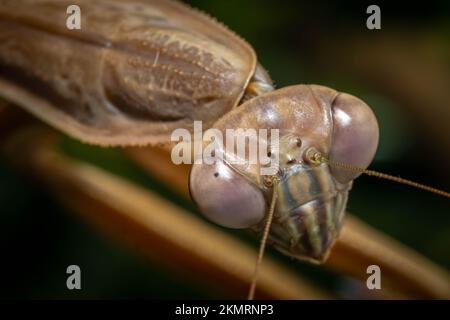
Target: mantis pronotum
[{"x": 156, "y": 66}]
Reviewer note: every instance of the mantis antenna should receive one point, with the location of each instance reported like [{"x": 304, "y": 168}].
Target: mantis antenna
[
  {"x": 317, "y": 158},
  {"x": 262, "y": 246}
]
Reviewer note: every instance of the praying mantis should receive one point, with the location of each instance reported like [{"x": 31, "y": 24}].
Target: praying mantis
[{"x": 140, "y": 70}]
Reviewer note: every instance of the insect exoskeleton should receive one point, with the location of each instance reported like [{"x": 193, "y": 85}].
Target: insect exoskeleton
[
  {"x": 132, "y": 74},
  {"x": 136, "y": 71},
  {"x": 311, "y": 196}
]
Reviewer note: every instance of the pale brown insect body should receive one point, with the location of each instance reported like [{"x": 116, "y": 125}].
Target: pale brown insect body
[
  {"x": 139, "y": 69},
  {"x": 133, "y": 73},
  {"x": 312, "y": 198}
]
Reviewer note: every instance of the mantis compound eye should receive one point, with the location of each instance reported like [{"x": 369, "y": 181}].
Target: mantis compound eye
[
  {"x": 226, "y": 197},
  {"x": 355, "y": 136}
]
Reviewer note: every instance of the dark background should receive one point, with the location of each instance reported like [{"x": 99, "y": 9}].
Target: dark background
[{"x": 402, "y": 71}]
